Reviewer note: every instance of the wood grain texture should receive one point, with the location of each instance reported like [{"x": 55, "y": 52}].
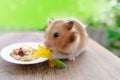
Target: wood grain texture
[{"x": 96, "y": 63}]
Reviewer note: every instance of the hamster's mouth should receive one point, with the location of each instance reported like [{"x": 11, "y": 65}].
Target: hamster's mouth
[{"x": 53, "y": 49}]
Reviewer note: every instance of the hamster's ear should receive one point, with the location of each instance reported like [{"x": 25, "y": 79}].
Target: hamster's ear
[
  {"x": 69, "y": 25},
  {"x": 50, "y": 21}
]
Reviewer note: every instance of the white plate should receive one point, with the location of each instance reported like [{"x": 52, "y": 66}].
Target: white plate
[{"x": 5, "y": 53}]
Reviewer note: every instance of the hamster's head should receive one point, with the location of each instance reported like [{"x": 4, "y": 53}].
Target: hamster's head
[{"x": 59, "y": 35}]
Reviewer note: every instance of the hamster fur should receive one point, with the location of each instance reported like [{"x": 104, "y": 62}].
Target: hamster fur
[{"x": 66, "y": 39}]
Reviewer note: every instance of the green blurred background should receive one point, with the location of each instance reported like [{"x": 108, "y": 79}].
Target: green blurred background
[{"x": 32, "y": 15}]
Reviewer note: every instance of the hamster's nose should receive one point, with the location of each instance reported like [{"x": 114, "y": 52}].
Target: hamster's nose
[{"x": 49, "y": 44}]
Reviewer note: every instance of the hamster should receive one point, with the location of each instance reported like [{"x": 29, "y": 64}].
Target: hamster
[{"x": 66, "y": 39}]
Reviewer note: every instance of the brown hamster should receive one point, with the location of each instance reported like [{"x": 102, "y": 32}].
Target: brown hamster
[{"x": 66, "y": 39}]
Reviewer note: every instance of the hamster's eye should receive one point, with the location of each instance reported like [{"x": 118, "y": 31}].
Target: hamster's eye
[{"x": 56, "y": 34}]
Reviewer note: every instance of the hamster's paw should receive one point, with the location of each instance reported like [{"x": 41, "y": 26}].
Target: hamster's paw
[{"x": 71, "y": 58}]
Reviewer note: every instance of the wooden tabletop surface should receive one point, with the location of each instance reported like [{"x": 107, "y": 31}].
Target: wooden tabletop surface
[{"x": 96, "y": 63}]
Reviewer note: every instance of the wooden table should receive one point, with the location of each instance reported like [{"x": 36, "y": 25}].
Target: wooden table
[{"x": 96, "y": 63}]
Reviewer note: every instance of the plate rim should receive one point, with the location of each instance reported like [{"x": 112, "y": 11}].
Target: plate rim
[{"x": 22, "y": 63}]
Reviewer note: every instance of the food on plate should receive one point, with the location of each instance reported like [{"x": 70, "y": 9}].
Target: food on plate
[
  {"x": 27, "y": 53},
  {"x": 24, "y": 53}
]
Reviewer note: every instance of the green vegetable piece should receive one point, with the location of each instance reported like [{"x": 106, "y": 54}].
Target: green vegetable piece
[{"x": 59, "y": 63}]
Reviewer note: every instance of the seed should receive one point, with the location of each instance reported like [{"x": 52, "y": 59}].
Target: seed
[{"x": 20, "y": 52}]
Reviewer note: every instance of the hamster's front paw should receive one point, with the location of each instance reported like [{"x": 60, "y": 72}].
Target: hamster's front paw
[{"x": 71, "y": 58}]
